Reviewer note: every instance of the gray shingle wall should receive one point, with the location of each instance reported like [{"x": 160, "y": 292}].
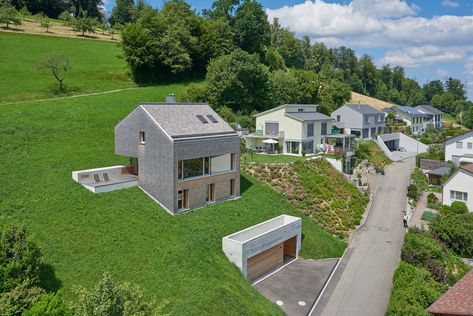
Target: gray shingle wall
[{"x": 155, "y": 158}]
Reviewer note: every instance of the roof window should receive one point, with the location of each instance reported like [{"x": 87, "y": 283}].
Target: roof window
[
  {"x": 202, "y": 119},
  {"x": 212, "y": 119}
]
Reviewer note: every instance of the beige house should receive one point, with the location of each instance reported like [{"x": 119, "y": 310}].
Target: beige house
[{"x": 297, "y": 128}]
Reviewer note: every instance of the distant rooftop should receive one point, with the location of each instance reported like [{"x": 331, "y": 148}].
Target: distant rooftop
[
  {"x": 428, "y": 108},
  {"x": 181, "y": 120},
  {"x": 409, "y": 110},
  {"x": 363, "y": 108}
]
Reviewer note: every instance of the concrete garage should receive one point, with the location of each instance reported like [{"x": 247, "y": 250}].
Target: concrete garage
[
  {"x": 399, "y": 145},
  {"x": 265, "y": 247}
]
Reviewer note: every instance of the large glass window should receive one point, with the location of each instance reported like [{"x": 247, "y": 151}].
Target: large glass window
[
  {"x": 310, "y": 130},
  {"x": 294, "y": 147},
  {"x": 323, "y": 129},
  {"x": 193, "y": 167},
  {"x": 459, "y": 196},
  {"x": 308, "y": 147}
]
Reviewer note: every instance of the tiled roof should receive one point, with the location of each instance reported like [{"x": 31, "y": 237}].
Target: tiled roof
[
  {"x": 363, "y": 108},
  {"x": 180, "y": 120},
  {"x": 458, "y": 300},
  {"x": 439, "y": 171},
  {"x": 469, "y": 168}
]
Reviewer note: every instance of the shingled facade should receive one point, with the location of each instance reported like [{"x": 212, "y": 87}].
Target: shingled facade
[{"x": 185, "y": 154}]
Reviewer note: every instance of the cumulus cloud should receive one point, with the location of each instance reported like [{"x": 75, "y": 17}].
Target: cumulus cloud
[
  {"x": 410, "y": 40},
  {"x": 441, "y": 73},
  {"x": 450, "y": 4}
]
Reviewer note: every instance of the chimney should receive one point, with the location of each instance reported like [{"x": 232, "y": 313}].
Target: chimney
[{"x": 171, "y": 98}]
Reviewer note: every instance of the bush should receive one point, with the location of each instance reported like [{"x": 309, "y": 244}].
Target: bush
[
  {"x": 458, "y": 207},
  {"x": 19, "y": 299},
  {"x": 20, "y": 259},
  {"x": 413, "y": 291},
  {"x": 412, "y": 192},
  {"x": 456, "y": 232},
  {"x": 420, "y": 180},
  {"x": 419, "y": 248},
  {"x": 50, "y": 304},
  {"x": 432, "y": 198},
  {"x": 108, "y": 298}
]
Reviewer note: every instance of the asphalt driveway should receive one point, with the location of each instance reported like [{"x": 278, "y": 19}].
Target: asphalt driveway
[
  {"x": 296, "y": 286},
  {"x": 362, "y": 283}
]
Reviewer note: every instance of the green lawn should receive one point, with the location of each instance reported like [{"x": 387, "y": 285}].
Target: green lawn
[
  {"x": 264, "y": 158},
  {"x": 175, "y": 259},
  {"x": 96, "y": 66}
]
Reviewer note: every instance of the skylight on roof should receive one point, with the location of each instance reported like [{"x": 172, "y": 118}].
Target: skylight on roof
[
  {"x": 212, "y": 119},
  {"x": 202, "y": 119}
]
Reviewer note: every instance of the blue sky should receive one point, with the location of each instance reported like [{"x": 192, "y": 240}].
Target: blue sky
[{"x": 432, "y": 39}]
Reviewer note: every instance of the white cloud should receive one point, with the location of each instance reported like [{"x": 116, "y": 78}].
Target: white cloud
[
  {"x": 450, "y": 4},
  {"x": 411, "y": 41},
  {"x": 441, "y": 73}
]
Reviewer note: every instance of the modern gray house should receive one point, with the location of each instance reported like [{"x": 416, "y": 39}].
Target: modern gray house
[
  {"x": 435, "y": 116},
  {"x": 184, "y": 154},
  {"x": 414, "y": 118},
  {"x": 361, "y": 120}
]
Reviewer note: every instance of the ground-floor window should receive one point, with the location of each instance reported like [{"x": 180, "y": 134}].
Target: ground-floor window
[
  {"x": 232, "y": 187},
  {"x": 458, "y": 196},
  {"x": 292, "y": 147},
  {"x": 365, "y": 133},
  {"x": 182, "y": 199},
  {"x": 210, "y": 193},
  {"x": 308, "y": 147}
]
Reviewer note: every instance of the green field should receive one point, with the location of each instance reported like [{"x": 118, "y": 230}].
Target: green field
[
  {"x": 96, "y": 66},
  {"x": 175, "y": 259}
]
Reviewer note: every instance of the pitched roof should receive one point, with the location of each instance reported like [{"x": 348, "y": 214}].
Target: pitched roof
[
  {"x": 458, "y": 136},
  {"x": 363, "y": 108},
  {"x": 409, "y": 110},
  {"x": 439, "y": 171},
  {"x": 429, "y": 109},
  {"x": 458, "y": 300},
  {"x": 309, "y": 116},
  {"x": 467, "y": 167},
  {"x": 285, "y": 105},
  {"x": 181, "y": 120}
]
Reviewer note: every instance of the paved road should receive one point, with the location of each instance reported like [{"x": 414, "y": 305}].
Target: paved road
[{"x": 364, "y": 286}]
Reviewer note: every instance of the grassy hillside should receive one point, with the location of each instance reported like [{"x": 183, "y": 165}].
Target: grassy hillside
[
  {"x": 175, "y": 259},
  {"x": 368, "y": 150},
  {"x": 318, "y": 189},
  {"x": 96, "y": 66}
]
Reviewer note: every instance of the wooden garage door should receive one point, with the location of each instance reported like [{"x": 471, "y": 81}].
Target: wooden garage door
[{"x": 265, "y": 261}]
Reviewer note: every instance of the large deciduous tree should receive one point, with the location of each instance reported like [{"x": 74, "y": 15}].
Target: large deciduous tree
[
  {"x": 123, "y": 12},
  {"x": 238, "y": 81},
  {"x": 251, "y": 27},
  {"x": 8, "y": 14}
]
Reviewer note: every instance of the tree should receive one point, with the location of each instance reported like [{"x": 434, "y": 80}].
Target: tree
[
  {"x": 344, "y": 59},
  {"x": 273, "y": 59},
  {"x": 251, "y": 27},
  {"x": 66, "y": 17},
  {"x": 57, "y": 65},
  {"x": 45, "y": 23},
  {"x": 122, "y": 12},
  {"x": 84, "y": 24},
  {"x": 93, "y": 8},
  {"x": 295, "y": 86},
  {"x": 432, "y": 88},
  {"x": 49, "y": 304},
  {"x": 20, "y": 259},
  {"x": 8, "y": 14},
  {"x": 368, "y": 74},
  {"x": 320, "y": 56},
  {"x": 238, "y": 81},
  {"x": 216, "y": 39},
  {"x": 456, "y": 88},
  {"x": 24, "y": 12},
  {"x": 222, "y": 9},
  {"x": 107, "y": 298}
]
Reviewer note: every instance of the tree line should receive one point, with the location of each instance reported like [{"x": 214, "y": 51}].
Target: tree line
[{"x": 251, "y": 64}]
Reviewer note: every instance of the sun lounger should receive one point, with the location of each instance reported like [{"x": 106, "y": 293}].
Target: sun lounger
[
  {"x": 97, "y": 178},
  {"x": 105, "y": 176}
]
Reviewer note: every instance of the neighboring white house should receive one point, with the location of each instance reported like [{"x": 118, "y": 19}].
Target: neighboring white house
[
  {"x": 459, "y": 149},
  {"x": 361, "y": 120},
  {"x": 435, "y": 116},
  {"x": 459, "y": 187},
  {"x": 416, "y": 119},
  {"x": 298, "y": 128}
]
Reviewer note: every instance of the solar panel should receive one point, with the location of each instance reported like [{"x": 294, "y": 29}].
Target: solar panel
[
  {"x": 212, "y": 119},
  {"x": 202, "y": 119}
]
